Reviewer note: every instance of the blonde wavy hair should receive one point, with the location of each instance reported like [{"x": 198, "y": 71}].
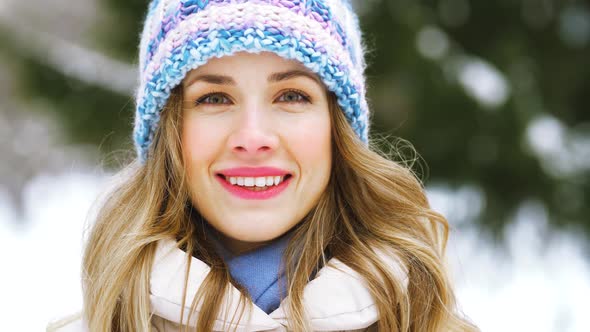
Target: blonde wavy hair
[{"x": 371, "y": 204}]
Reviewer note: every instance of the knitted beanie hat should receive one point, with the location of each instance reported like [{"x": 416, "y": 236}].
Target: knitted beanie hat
[{"x": 181, "y": 35}]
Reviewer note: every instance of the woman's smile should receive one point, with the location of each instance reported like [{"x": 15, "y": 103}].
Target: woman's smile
[
  {"x": 254, "y": 183},
  {"x": 258, "y": 190}
]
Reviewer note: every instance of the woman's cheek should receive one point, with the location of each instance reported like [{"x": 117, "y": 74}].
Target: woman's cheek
[
  {"x": 201, "y": 138},
  {"x": 309, "y": 142}
]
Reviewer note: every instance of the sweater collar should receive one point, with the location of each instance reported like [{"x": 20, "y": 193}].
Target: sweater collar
[
  {"x": 260, "y": 271},
  {"x": 337, "y": 299}
]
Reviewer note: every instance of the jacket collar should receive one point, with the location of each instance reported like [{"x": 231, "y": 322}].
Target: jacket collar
[{"x": 337, "y": 299}]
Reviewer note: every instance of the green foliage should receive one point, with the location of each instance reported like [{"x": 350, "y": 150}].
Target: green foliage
[
  {"x": 89, "y": 114},
  {"x": 461, "y": 141},
  {"x": 121, "y": 37}
]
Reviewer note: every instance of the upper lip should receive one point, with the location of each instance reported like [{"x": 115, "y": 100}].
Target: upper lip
[{"x": 253, "y": 171}]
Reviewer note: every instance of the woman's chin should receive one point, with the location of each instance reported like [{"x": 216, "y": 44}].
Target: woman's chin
[{"x": 254, "y": 233}]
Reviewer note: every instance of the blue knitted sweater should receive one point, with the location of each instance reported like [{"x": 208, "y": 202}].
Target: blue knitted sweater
[{"x": 259, "y": 271}]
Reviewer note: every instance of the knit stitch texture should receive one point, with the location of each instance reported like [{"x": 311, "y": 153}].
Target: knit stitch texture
[{"x": 181, "y": 35}]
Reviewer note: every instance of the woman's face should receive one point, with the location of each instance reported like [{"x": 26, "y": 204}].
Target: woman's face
[{"x": 256, "y": 145}]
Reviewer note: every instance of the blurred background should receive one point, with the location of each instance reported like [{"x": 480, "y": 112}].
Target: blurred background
[{"x": 492, "y": 94}]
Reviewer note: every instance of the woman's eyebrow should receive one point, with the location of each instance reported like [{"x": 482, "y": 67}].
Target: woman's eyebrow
[
  {"x": 273, "y": 78},
  {"x": 213, "y": 79},
  {"x": 282, "y": 76}
]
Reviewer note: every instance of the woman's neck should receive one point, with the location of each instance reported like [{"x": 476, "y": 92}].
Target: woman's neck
[{"x": 237, "y": 247}]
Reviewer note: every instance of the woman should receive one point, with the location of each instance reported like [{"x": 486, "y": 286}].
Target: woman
[{"x": 255, "y": 203}]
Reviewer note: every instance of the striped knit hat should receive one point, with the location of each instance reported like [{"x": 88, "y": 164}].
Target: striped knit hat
[{"x": 181, "y": 35}]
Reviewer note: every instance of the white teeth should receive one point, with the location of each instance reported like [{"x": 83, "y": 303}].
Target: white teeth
[
  {"x": 262, "y": 181},
  {"x": 249, "y": 182}
]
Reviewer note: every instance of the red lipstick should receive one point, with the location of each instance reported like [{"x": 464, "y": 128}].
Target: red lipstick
[{"x": 245, "y": 192}]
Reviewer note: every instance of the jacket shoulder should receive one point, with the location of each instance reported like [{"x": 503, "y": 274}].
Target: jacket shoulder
[{"x": 72, "y": 323}]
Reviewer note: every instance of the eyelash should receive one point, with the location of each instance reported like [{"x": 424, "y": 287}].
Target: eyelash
[{"x": 305, "y": 98}]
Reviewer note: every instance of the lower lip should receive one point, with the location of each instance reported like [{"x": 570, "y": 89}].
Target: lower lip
[{"x": 243, "y": 193}]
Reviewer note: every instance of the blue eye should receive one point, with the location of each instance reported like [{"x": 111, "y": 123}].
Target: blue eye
[
  {"x": 294, "y": 96},
  {"x": 214, "y": 98}
]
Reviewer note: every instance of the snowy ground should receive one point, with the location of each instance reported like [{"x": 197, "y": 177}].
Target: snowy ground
[{"x": 539, "y": 283}]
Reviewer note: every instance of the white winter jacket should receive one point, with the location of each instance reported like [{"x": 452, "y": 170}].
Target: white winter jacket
[{"x": 336, "y": 300}]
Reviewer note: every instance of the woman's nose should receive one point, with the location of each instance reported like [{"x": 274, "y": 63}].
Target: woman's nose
[{"x": 254, "y": 134}]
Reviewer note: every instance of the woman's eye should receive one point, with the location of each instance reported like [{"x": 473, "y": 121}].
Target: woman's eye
[
  {"x": 293, "y": 97},
  {"x": 213, "y": 99}
]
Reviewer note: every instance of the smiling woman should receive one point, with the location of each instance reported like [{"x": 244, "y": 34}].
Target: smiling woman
[
  {"x": 256, "y": 125},
  {"x": 256, "y": 202}
]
